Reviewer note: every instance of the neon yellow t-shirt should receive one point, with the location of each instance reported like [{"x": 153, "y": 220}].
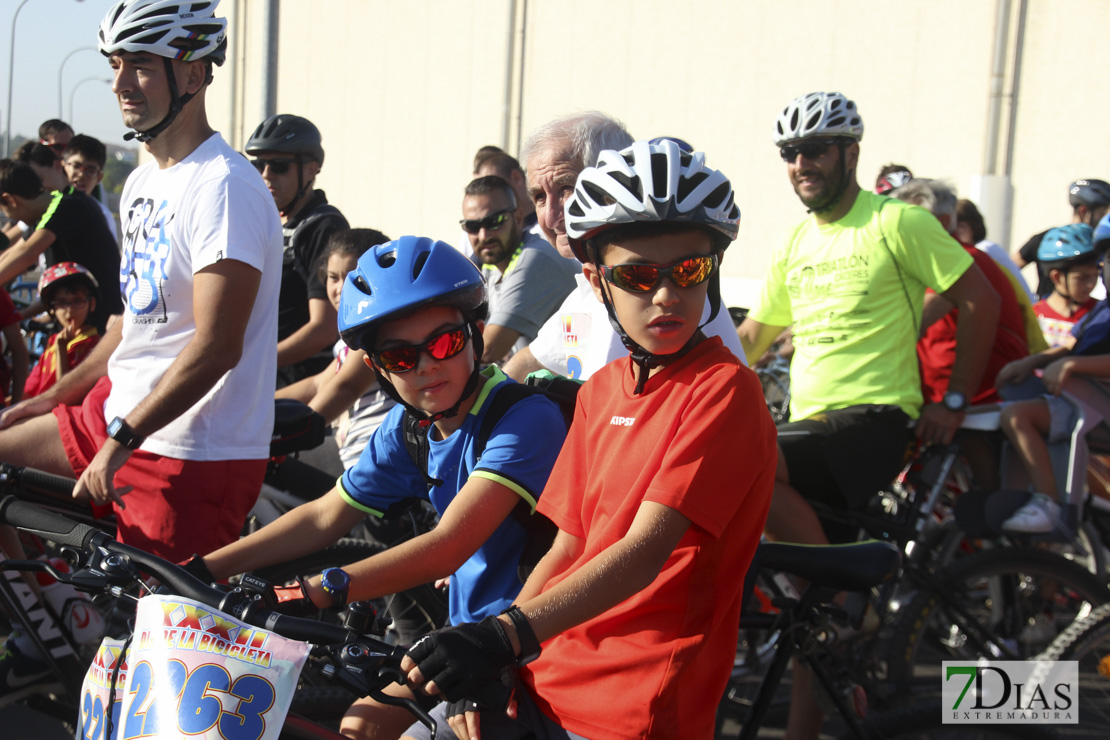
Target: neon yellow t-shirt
[{"x": 854, "y": 291}]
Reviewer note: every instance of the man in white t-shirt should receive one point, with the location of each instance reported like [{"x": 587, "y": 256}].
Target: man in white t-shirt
[
  {"x": 177, "y": 399},
  {"x": 578, "y": 339}
]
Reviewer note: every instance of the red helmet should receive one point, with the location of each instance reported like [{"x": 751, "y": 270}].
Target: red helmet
[{"x": 65, "y": 273}]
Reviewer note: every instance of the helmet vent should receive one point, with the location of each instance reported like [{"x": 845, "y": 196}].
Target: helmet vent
[
  {"x": 418, "y": 266},
  {"x": 686, "y": 185},
  {"x": 596, "y": 194},
  {"x": 575, "y": 209},
  {"x": 715, "y": 199},
  {"x": 631, "y": 184},
  {"x": 361, "y": 284},
  {"x": 387, "y": 259},
  {"x": 659, "y": 175}
]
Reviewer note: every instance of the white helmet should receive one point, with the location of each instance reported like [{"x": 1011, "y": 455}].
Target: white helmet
[
  {"x": 174, "y": 30},
  {"x": 650, "y": 182},
  {"x": 818, "y": 114}
]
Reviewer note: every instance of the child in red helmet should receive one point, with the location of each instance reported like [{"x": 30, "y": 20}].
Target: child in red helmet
[{"x": 69, "y": 292}]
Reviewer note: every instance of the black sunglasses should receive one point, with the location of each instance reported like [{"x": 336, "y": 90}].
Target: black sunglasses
[
  {"x": 492, "y": 222},
  {"x": 810, "y": 149},
  {"x": 641, "y": 278},
  {"x": 442, "y": 346},
  {"x": 277, "y": 166}
]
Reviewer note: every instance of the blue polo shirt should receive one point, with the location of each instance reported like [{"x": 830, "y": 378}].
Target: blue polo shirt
[{"x": 519, "y": 454}]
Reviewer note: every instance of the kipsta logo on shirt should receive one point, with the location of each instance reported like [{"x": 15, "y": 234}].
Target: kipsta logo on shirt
[{"x": 622, "y": 421}]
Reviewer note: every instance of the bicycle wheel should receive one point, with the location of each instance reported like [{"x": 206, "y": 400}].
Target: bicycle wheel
[
  {"x": 924, "y": 722},
  {"x": 1087, "y": 641},
  {"x": 1002, "y": 604},
  {"x": 415, "y": 612}
]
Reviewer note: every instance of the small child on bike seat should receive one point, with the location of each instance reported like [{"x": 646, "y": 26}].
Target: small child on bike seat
[
  {"x": 417, "y": 307},
  {"x": 1031, "y": 425},
  {"x": 1074, "y": 268},
  {"x": 69, "y": 292},
  {"x": 660, "y": 492}
]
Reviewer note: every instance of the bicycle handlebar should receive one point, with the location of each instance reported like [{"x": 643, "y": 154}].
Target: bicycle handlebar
[
  {"x": 31, "y": 478},
  {"x": 244, "y": 606}
]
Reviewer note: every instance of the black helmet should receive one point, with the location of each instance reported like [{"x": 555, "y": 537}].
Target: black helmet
[
  {"x": 287, "y": 134},
  {"x": 1090, "y": 193}
]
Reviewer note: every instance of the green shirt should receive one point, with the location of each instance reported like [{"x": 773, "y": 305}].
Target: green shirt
[{"x": 854, "y": 292}]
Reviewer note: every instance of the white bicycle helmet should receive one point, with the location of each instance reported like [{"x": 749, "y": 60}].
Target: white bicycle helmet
[
  {"x": 184, "y": 31},
  {"x": 818, "y": 114},
  {"x": 650, "y": 182},
  {"x": 177, "y": 30}
]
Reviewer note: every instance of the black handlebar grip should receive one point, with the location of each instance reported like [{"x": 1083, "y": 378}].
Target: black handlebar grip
[
  {"x": 31, "y": 478},
  {"x": 45, "y": 523}
]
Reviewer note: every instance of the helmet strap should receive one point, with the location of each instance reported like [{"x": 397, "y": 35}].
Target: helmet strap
[
  {"x": 302, "y": 188},
  {"x": 841, "y": 187},
  {"x": 177, "y": 103}
]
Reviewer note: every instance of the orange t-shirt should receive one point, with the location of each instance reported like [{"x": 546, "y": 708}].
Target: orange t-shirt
[{"x": 699, "y": 440}]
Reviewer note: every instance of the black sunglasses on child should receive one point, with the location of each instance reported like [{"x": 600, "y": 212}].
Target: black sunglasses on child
[
  {"x": 492, "y": 222},
  {"x": 277, "y": 166},
  {"x": 442, "y": 346},
  {"x": 810, "y": 149},
  {"x": 640, "y": 278}
]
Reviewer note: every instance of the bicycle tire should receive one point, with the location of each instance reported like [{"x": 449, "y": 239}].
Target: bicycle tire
[
  {"x": 924, "y": 722},
  {"x": 415, "y": 612},
  {"x": 1008, "y": 592},
  {"x": 1087, "y": 641}
]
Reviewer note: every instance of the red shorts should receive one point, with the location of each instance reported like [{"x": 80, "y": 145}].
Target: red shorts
[{"x": 177, "y": 507}]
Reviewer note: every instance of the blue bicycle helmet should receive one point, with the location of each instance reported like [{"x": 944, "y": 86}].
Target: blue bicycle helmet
[
  {"x": 394, "y": 279},
  {"x": 1065, "y": 245}
]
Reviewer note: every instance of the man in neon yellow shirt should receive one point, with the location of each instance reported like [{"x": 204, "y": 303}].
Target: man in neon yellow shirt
[{"x": 851, "y": 281}]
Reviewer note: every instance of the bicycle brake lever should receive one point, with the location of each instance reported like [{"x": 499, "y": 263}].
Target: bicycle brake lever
[{"x": 409, "y": 704}]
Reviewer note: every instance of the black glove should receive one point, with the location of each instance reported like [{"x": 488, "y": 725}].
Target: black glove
[
  {"x": 461, "y": 707},
  {"x": 196, "y": 567},
  {"x": 293, "y": 600},
  {"x": 471, "y": 661}
]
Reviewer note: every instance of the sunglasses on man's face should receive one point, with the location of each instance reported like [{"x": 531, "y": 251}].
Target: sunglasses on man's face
[
  {"x": 277, "y": 166},
  {"x": 810, "y": 149},
  {"x": 441, "y": 346},
  {"x": 641, "y": 278},
  {"x": 492, "y": 222}
]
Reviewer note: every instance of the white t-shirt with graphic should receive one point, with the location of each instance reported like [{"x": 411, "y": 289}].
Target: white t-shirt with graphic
[
  {"x": 175, "y": 222},
  {"x": 578, "y": 339}
]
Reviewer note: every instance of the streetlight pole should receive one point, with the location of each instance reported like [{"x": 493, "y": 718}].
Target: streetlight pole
[
  {"x": 62, "y": 66},
  {"x": 11, "y": 70},
  {"x": 106, "y": 80}
]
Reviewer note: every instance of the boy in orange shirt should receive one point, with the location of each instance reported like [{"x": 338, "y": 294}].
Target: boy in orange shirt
[{"x": 660, "y": 492}]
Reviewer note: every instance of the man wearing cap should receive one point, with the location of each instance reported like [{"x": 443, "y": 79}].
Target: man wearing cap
[{"x": 287, "y": 151}]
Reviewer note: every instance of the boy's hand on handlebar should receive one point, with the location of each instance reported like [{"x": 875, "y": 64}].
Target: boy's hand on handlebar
[
  {"x": 98, "y": 480},
  {"x": 1056, "y": 374},
  {"x": 470, "y": 661},
  {"x": 294, "y": 600},
  {"x": 937, "y": 424}
]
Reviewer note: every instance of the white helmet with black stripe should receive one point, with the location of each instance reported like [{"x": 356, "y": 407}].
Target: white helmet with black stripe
[{"x": 818, "y": 114}]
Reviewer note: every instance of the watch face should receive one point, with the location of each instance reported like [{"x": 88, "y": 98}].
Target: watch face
[{"x": 955, "y": 401}]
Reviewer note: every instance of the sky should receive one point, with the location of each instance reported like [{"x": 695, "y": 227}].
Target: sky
[{"x": 46, "y": 32}]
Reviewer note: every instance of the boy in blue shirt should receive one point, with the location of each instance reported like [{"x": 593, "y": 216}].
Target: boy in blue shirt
[{"x": 417, "y": 307}]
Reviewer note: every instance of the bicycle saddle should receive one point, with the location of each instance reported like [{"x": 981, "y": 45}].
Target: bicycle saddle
[{"x": 857, "y": 566}]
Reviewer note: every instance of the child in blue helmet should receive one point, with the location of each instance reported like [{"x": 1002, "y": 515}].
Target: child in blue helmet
[
  {"x": 1069, "y": 259},
  {"x": 1031, "y": 425},
  {"x": 416, "y": 306}
]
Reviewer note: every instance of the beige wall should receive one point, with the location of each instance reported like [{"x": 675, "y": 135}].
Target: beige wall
[{"x": 405, "y": 92}]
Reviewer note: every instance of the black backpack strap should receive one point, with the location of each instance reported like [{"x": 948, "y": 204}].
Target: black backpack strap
[{"x": 417, "y": 445}]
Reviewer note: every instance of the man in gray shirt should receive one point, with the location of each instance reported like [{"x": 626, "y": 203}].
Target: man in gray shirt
[{"x": 527, "y": 278}]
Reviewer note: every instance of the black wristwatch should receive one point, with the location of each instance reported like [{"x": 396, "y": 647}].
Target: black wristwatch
[
  {"x": 335, "y": 583},
  {"x": 955, "y": 401},
  {"x": 125, "y": 435},
  {"x": 529, "y": 644}
]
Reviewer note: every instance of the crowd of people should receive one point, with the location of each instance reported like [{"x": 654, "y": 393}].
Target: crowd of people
[{"x": 596, "y": 256}]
